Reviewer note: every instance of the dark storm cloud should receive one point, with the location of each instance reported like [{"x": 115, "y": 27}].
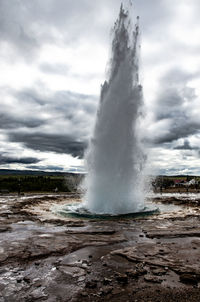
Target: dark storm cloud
[
  {"x": 174, "y": 108},
  {"x": 50, "y": 143},
  {"x": 186, "y": 146},
  {"x": 19, "y": 110},
  {"x": 178, "y": 129},
  {"x": 45, "y": 168},
  {"x": 4, "y": 159},
  {"x": 66, "y": 103},
  {"x": 58, "y": 122},
  {"x": 8, "y": 121}
]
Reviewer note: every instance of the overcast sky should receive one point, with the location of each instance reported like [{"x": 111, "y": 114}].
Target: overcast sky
[{"x": 53, "y": 59}]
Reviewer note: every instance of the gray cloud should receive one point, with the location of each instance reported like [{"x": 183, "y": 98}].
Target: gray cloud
[
  {"x": 46, "y": 168},
  {"x": 60, "y": 122},
  {"x": 26, "y": 25},
  {"x": 30, "y": 96},
  {"x": 15, "y": 28},
  {"x": 186, "y": 146},
  {"x": 4, "y": 159},
  {"x": 180, "y": 129},
  {"x": 8, "y": 121},
  {"x": 21, "y": 111},
  {"x": 174, "y": 108},
  {"x": 54, "y": 69},
  {"x": 181, "y": 170},
  {"x": 50, "y": 142}
]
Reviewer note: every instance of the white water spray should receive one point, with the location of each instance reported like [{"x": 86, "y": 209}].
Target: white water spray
[{"x": 114, "y": 158}]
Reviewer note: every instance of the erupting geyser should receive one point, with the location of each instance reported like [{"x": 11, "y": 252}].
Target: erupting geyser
[{"x": 115, "y": 159}]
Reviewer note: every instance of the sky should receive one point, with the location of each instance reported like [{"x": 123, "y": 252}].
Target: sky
[{"x": 53, "y": 59}]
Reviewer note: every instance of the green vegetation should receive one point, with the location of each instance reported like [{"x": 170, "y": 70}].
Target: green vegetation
[
  {"x": 39, "y": 183},
  {"x": 33, "y": 184}
]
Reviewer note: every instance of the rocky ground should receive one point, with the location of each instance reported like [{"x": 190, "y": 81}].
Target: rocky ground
[{"x": 46, "y": 257}]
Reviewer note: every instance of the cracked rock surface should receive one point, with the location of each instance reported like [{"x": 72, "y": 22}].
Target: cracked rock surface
[{"x": 47, "y": 257}]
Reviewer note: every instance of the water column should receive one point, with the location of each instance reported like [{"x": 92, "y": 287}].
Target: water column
[{"x": 114, "y": 157}]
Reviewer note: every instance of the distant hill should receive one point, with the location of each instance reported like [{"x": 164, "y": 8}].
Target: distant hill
[
  {"x": 32, "y": 172},
  {"x": 43, "y": 173}
]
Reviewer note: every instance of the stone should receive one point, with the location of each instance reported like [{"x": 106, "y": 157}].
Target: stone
[
  {"x": 27, "y": 279},
  {"x": 106, "y": 281},
  {"x": 189, "y": 278},
  {"x": 37, "y": 282},
  {"x": 154, "y": 279},
  {"x": 122, "y": 278},
  {"x": 91, "y": 284},
  {"x": 159, "y": 271},
  {"x": 133, "y": 273},
  {"x": 106, "y": 290},
  {"x": 72, "y": 271},
  {"x": 4, "y": 228},
  {"x": 84, "y": 294},
  {"x": 38, "y": 294}
]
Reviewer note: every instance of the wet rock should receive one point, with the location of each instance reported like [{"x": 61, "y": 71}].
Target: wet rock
[
  {"x": 122, "y": 278},
  {"x": 37, "y": 282},
  {"x": 107, "y": 281},
  {"x": 4, "y": 228},
  {"x": 154, "y": 279},
  {"x": 19, "y": 280},
  {"x": 141, "y": 269},
  {"x": 91, "y": 284},
  {"x": 48, "y": 261},
  {"x": 27, "y": 279},
  {"x": 72, "y": 271},
  {"x": 117, "y": 291},
  {"x": 84, "y": 294},
  {"x": 38, "y": 294},
  {"x": 132, "y": 273},
  {"x": 37, "y": 263},
  {"x": 159, "y": 271},
  {"x": 2, "y": 287},
  {"x": 106, "y": 290},
  {"x": 3, "y": 255},
  {"x": 81, "y": 279},
  {"x": 189, "y": 278},
  {"x": 85, "y": 261}
]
